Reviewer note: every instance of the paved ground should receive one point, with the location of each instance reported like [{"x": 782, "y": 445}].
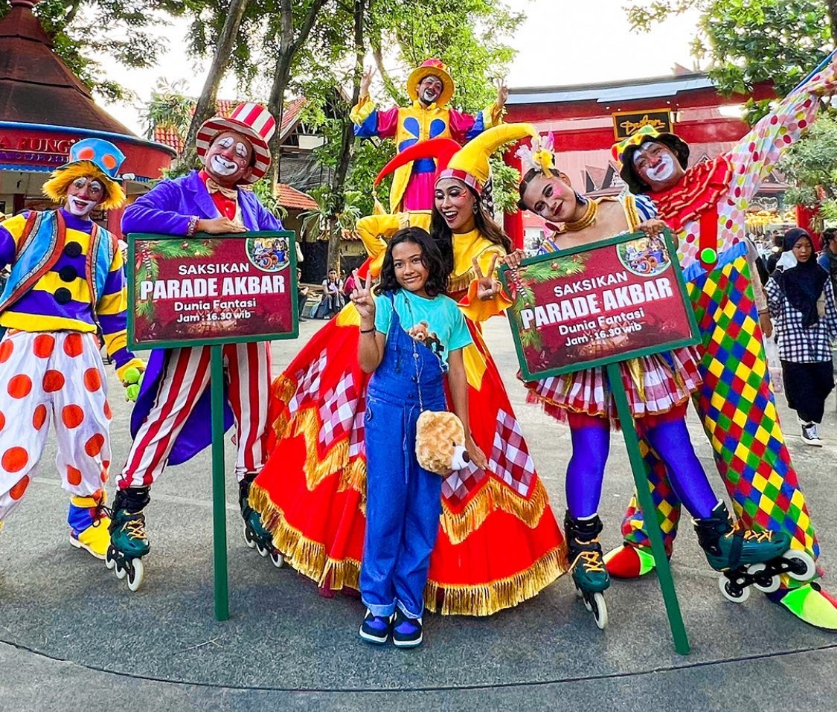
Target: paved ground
[{"x": 73, "y": 638}]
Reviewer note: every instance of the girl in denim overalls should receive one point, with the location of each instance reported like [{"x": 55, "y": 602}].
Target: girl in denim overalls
[{"x": 411, "y": 334}]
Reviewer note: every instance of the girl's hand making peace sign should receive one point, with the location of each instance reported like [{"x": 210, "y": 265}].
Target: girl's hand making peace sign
[
  {"x": 363, "y": 299},
  {"x": 487, "y": 286}
]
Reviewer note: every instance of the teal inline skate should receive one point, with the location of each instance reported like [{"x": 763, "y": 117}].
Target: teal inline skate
[
  {"x": 587, "y": 564},
  {"x": 748, "y": 558},
  {"x": 256, "y": 536},
  {"x": 128, "y": 540}
]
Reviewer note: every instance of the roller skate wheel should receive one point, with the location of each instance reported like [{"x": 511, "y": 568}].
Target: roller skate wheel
[
  {"x": 724, "y": 584},
  {"x": 802, "y": 566},
  {"x": 135, "y": 574},
  {"x": 248, "y": 537},
  {"x": 121, "y": 571},
  {"x": 774, "y": 581},
  {"x": 599, "y": 608},
  {"x": 277, "y": 559},
  {"x": 110, "y": 562},
  {"x": 262, "y": 550}
]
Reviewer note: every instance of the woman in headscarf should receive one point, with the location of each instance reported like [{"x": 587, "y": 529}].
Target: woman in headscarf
[{"x": 800, "y": 297}]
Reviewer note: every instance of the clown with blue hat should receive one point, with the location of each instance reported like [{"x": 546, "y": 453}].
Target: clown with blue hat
[{"x": 66, "y": 283}]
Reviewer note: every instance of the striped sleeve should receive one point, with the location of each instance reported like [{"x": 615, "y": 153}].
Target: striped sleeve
[
  {"x": 645, "y": 207},
  {"x": 112, "y": 313}
]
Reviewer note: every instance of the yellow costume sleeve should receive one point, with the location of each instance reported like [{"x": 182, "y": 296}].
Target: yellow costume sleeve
[
  {"x": 493, "y": 115},
  {"x": 376, "y": 230},
  {"x": 472, "y": 306},
  {"x": 361, "y": 111}
]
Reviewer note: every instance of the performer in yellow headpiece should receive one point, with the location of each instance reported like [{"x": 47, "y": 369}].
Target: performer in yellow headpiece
[{"x": 499, "y": 543}]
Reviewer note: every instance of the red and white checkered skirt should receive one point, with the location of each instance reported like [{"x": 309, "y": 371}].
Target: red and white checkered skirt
[
  {"x": 653, "y": 384},
  {"x": 498, "y": 542}
]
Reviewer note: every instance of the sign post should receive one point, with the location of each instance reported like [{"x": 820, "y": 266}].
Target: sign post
[
  {"x": 212, "y": 290},
  {"x": 599, "y": 305}
]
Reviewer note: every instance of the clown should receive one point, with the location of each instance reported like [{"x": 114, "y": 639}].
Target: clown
[
  {"x": 171, "y": 421},
  {"x": 705, "y": 206},
  {"x": 66, "y": 280},
  {"x": 431, "y": 87}
]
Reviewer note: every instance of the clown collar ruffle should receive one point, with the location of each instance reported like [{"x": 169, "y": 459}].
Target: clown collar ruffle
[{"x": 698, "y": 191}]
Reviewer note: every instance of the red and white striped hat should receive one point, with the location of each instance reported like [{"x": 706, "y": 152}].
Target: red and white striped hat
[{"x": 250, "y": 120}]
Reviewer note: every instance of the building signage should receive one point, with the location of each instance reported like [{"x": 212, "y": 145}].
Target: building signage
[
  {"x": 35, "y": 150},
  {"x": 627, "y": 123}
]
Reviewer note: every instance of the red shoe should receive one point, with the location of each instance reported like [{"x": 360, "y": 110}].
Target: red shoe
[{"x": 628, "y": 562}]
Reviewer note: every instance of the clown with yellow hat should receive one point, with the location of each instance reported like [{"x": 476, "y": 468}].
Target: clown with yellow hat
[
  {"x": 430, "y": 87},
  {"x": 66, "y": 282},
  {"x": 496, "y": 523}
]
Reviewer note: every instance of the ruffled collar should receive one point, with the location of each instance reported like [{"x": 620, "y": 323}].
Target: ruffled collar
[{"x": 699, "y": 190}]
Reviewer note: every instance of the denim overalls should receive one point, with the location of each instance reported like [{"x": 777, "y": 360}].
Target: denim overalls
[{"x": 403, "y": 500}]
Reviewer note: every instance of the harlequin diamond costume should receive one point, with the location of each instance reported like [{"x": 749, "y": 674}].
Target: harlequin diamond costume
[
  {"x": 706, "y": 208},
  {"x": 66, "y": 281},
  {"x": 499, "y": 543},
  {"x": 172, "y": 419},
  {"x": 428, "y": 117}
]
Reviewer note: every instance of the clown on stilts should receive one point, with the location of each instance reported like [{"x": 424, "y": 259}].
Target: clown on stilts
[
  {"x": 431, "y": 87},
  {"x": 66, "y": 281},
  {"x": 705, "y": 205},
  {"x": 498, "y": 542}
]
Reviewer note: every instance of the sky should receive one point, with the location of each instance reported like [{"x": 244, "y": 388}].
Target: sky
[{"x": 561, "y": 42}]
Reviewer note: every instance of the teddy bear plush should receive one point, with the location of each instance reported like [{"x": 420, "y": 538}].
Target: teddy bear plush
[{"x": 440, "y": 442}]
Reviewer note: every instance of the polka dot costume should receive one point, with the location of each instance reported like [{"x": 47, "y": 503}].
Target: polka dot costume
[{"x": 52, "y": 377}]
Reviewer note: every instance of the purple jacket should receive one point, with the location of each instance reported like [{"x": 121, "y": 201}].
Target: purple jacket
[{"x": 166, "y": 210}]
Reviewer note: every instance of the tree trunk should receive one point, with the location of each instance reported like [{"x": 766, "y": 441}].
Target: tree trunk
[
  {"x": 288, "y": 47},
  {"x": 347, "y": 138},
  {"x": 832, "y": 19},
  {"x": 207, "y": 102}
]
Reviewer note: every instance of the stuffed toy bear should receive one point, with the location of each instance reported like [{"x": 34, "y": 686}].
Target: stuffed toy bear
[{"x": 440, "y": 442}]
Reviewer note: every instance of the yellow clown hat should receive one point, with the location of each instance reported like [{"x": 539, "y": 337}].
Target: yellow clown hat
[
  {"x": 90, "y": 158},
  {"x": 431, "y": 68},
  {"x": 470, "y": 163}
]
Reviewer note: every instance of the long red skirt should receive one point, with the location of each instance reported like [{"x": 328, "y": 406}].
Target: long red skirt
[{"x": 498, "y": 544}]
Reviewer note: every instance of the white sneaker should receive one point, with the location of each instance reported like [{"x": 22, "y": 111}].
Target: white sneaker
[{"x": 810, "y": 435}]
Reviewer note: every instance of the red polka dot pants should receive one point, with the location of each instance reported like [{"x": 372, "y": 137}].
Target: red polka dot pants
[
  {"x": 184, "y": 379},
  {"x": 55, "y": 376}
]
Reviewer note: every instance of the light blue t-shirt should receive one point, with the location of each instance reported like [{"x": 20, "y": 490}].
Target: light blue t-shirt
[{"x": 437, "y": 323}]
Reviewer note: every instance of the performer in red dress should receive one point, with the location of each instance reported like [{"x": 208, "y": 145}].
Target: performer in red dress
[{"x": 498, "y": 543}]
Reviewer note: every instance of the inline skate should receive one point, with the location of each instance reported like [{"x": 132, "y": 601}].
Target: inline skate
[
  {"x": 747, "y": 558},
  {"x": 255, "y": 535},
  {"x": 128, "y": 540},
  {"x": 587, "y": 564}
]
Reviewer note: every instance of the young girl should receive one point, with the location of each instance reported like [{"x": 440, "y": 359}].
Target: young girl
[
  {"x": 800, "y": 297},
  {"x": 404, "y": 501}
]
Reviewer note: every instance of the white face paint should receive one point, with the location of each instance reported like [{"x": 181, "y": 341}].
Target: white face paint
[
  {"x": 83, "y": 195},
  {"x": 663, "y": 170},
  {"x": 222, "y": 167}
]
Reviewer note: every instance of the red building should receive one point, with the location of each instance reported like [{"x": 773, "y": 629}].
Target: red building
[
  {"x": 587, "y": 120},
  {"x": 45, "y": 109}
]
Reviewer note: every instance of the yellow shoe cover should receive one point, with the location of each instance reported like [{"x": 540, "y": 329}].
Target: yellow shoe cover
[
  {"x": 95, "y": 538},
  {"x": 811, "y": 604}
]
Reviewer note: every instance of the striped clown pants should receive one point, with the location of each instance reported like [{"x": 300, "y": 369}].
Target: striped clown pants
[
  {"x": 60, "y": 376},
  {"x": 184, "y": 379}
]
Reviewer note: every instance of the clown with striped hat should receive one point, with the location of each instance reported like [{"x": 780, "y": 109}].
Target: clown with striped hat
[{"x": 171, "y": 422}]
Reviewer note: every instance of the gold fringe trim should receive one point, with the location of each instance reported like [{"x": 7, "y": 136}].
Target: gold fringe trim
[
  {"x": 489, "y": 598},
  {"x": 492, "y": 496},
  {"x": 303, "y": 554},
  {"x": 283, "y": 389},
  {"x": 309, "y": 558}
]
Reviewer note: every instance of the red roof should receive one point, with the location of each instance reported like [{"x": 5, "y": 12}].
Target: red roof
[
  {"x": 293, "y": 199},
  {"x": 224, "y": 107},
  {"x": 36, "y": 86}
]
